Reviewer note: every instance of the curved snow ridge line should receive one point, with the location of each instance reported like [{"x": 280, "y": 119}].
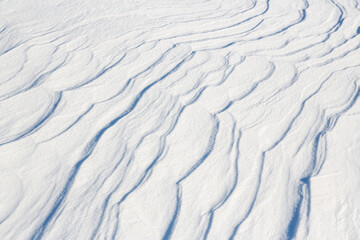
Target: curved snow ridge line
[
  {"x": 152, "y": 164},
  {"x": 36, "y": 125},
  {"x": 89, "y": 149},
  {"x": 226, "y": 197},
  {"x": 304, "y": 185},
  {"x": 208, "y": 151},
  {"x": 145, "y": 174},
  {"x": 319, "y": 156},
  {"x": 147, "y": 171},
  {"x": 119, "y": 166}
]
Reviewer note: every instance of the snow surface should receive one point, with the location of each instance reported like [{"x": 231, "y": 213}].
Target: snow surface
[{"x": 163, "y": 119}]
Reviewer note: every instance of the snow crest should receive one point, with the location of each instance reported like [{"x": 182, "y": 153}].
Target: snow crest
[{"x": 163, "y": 119}]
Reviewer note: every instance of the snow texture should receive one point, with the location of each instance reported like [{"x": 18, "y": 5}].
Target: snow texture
[{"x": 164, "y": 119}]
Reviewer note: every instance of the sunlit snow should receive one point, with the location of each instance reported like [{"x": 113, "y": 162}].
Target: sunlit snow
[{"x": 182, "y": 120}]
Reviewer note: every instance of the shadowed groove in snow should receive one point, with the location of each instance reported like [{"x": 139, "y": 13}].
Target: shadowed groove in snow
[
  {"x": 89, "y": 149},
  {"x": 177, "y": 54}
]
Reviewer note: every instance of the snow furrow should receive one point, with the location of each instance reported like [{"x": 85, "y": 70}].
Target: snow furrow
[{"x": 165, "y": 119}]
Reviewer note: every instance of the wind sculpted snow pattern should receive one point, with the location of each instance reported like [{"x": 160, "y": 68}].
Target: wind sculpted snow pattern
[{"x": 183, "y": 120}]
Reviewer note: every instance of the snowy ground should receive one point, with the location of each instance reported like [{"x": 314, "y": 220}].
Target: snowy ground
[{"x": 164, "y": 119}]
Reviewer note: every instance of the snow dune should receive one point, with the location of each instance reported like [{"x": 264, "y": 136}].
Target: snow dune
[{"x": 164, "y": 119}]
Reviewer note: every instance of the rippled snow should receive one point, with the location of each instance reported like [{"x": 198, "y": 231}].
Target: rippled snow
[{"x": 182, "y": 120}]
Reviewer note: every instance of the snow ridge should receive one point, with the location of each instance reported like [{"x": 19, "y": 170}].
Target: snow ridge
[{"x": 180, "y": 120}]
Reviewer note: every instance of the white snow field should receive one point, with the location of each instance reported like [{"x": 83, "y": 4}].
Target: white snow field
[{"x": 182, "y": 120}]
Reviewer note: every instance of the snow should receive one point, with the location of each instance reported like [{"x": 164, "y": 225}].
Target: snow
[{"x": 165, "y": 119}]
